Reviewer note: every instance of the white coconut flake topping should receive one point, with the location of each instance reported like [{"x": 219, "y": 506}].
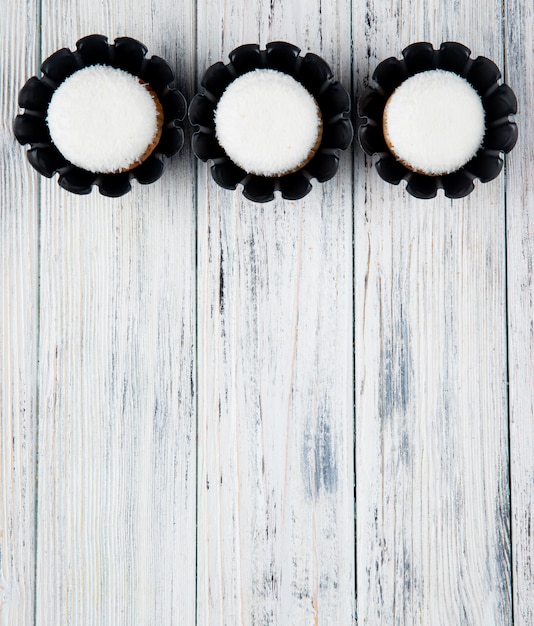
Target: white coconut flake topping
[
  {"x": 267, "y": 122},
  {"x": 435, "y": 122},
  {"x": 102, "y": 119}
]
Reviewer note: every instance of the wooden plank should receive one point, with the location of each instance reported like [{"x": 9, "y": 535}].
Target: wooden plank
[
  {"x": 19, "y": 224},
  {"x": 117, "y": 501},
  {"x": 432, "y": 497},
  {"x": 520, "y": 264},
  {"x": 276, "y": 523}
]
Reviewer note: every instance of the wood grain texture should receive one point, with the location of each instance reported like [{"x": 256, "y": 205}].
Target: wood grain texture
[
  {"x": 432, "y": 500},
  {"x": 117, "y": 443},
  {"x": 520, "y": 283},
  {"x": 100, "y": 363},
  {"x": 19, "y": 222},
  {"x": 276, "y": 519}
]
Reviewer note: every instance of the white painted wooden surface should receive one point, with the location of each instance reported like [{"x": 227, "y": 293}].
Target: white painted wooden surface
[
  {"x": 432, "y": 495},
  {"x": 19, "y": 278},
  {"x": 242, "y": 417},
  {"x": 276, "y": 513},
  {"x": 117, "y": 426},
  {"x": 520, "y": 293}
]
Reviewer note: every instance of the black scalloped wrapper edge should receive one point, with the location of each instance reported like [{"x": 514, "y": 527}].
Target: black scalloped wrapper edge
[
  {"x": 125, "y": 53},
  {"x": 499, "y": 103},
  {"x": 316, "y": 76}
]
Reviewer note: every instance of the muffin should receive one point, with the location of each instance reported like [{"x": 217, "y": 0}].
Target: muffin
[
  {"x": 438, "y": 119},
  {"x": 271, "y": 120},
  {"x": 268, "y": 123},
  {"x": 104, "y": 119},
  {"x": 103, "y": 114},
  {"x": 434, "y": 122}
]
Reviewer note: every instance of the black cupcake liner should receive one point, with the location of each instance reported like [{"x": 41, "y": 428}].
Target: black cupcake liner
[
  {"x": 498, "y": 100},
  {"x": 127, "y": 54},
  {"x": 316, "y": 76}
]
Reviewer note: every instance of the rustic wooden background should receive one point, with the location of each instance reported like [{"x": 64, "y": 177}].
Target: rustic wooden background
[{"x": 313, "y": 412}]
